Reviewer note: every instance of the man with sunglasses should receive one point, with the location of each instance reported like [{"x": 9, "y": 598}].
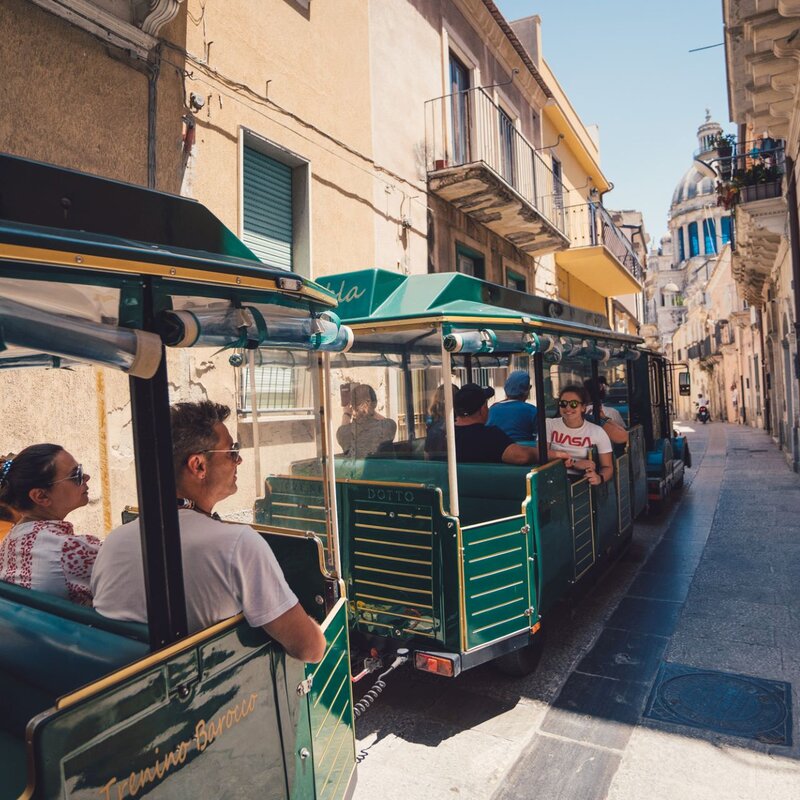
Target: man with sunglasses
[{"x": 228, "y": 568}]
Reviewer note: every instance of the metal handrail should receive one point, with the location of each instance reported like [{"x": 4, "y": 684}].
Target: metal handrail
[
  {"x": 468, "y": 127},
  {"x": 589, "y": 224},
  {"x": 755, "y": 161}
]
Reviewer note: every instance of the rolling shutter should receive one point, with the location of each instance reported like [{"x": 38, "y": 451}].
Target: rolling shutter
[{"x": 267, "y": 194}]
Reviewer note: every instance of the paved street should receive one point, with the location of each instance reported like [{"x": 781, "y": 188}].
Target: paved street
[{"x": 712, "y": 585}]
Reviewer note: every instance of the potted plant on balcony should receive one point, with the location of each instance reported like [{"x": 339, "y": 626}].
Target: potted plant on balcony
[
  {"x": 724, "y": 144},
  {"x": 727, "y": 194}
]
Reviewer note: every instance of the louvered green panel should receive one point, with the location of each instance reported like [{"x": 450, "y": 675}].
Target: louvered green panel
[
  {"x": 297, "y": 503},
  {"x": 497, "y": 597},
  {"x": 582, "y": 527},
  {"x": 636, "y": 448},
  {"x": 267, "y": 193},
  {"x": 393, "y": 539},
  {"x": 331, "y": 711},
  {"x": 623, "y": 480}
]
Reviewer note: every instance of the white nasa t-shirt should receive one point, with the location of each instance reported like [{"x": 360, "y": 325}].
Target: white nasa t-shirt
[{"x": 577, "y": 441}]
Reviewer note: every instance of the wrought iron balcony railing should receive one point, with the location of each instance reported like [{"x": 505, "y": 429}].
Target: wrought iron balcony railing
[
  {"x": 589, "y": 225},
  {"x": 469, "y": 127},
  {"x": 750, "y": 171}
]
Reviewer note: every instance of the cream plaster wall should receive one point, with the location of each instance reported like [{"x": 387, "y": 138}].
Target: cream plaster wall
[
  {"x": 301, "y": 81},
  {"x": 405, "y": 51}
]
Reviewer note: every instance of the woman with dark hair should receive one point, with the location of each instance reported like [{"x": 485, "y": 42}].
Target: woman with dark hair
[
  {"x": 571, "y": 438},
  {"x": 42, "y": 484}
]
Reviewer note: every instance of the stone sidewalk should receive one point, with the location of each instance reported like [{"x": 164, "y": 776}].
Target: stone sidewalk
[
  {"x": 712, "y": 584},
  {"x": 718, "y": 594}
]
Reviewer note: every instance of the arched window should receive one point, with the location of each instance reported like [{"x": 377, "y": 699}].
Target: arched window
[
  {"x": 694, "y": 241},
  {"x": 681, "y": 245},
  {"x": 709, "y": 237},
  {"x": 725, "y": 229}
]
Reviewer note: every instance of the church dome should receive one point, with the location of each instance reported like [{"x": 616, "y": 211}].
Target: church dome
[{"x": 692, "y": 185}]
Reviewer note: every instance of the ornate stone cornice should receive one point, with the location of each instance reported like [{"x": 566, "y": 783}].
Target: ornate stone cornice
[
  {"x": 140, "y": 39},
  {"x": 161, "y": 12},
  {"x": 494, "y": 29}
]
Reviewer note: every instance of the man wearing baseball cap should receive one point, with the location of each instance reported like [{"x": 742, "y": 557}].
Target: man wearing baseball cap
[
  {"x": 514, "y": 415},
  {"x": 478, "y": 442}
]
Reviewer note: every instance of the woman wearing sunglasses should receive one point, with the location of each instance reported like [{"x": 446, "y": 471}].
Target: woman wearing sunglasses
[
  {"x": 42, "y": 485},
  {"x": 571, "y": 437}
]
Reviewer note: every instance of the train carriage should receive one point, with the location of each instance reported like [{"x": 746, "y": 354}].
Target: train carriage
[
  {"x": 461, "y": 562},
  {"x": 105, "y": 274}
]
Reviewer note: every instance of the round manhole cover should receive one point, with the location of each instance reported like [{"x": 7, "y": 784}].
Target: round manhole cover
[{"x": 724, "y": 703}]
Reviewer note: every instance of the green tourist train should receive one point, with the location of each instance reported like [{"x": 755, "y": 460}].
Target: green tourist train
[
  {"x": 116, "y": 301},
  {"x": 95, "y": 278}
]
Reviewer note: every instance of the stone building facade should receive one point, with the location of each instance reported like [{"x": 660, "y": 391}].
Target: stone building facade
[
  {"x": 761, "y": 52},
  {"x": 432, "y": 136}
]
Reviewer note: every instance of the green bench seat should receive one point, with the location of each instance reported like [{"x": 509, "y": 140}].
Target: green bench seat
[
  {"x": 12, "y": 765},
  {"x": 50, "y": 647},
  {"x": 486, "y": 491}
]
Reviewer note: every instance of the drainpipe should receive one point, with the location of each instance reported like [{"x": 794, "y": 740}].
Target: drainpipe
[
  {"x": 794, "y": 243},
  {"x": 153, "y": 70},
  {"x": 767, "y": 399}
]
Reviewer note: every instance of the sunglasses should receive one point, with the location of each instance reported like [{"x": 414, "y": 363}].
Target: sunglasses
[
  {"x": 570, "y": 403},
  {"x": 233, "y": 453},
  {"x": 76, "y": 477}
]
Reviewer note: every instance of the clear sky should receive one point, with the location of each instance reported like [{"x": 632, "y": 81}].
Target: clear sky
[{"x": 625, "y": 66}]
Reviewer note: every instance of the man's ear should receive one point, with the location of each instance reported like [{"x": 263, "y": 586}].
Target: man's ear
[
  {"x": 40, "y": 497},
  {"x": 196, "y": 465}
]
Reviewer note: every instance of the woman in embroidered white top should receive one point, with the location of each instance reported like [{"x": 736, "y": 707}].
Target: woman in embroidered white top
[
  {"x": 571, "y": 437},
  {"x": 42, "y": 485}
]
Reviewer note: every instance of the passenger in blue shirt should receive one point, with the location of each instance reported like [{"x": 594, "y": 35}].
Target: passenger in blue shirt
[{"x": 514, "y": 416}]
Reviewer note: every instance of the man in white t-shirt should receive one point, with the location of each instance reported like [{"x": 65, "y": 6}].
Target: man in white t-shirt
[{"x": 227, "y": 568}]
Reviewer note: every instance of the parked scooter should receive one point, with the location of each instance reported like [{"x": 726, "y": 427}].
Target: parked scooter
[{"x": 703, "y": 415}]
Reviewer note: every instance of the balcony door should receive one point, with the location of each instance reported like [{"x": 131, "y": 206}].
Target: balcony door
[
  {"x": 507, "y": 139},
  {"x": 558, "y": 190},
  {"x": 459, "y": 110}
]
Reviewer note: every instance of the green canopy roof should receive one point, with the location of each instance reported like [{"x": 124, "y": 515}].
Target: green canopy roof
[
  {"x": 376, "y": 295},
  {"x": 51, "y": 208}
]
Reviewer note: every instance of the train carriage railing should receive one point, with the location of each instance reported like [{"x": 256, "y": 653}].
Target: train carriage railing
[
  {"x": 295, "y": 503},
  {"x": 637, "y": 449},
  {"x": 584, "y": 547},
  {"x": 622, "y": 476},
  {"x": 496, "y": 580},
  {"x": 331, "y": 710}
]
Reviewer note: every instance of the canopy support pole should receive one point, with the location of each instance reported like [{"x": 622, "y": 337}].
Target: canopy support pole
[
  {"x": 541, "y": 402},
  {"x": 251, "y": 375},
  {"x": 450, "y": 428},
  {"x": 158, "y": 509}
]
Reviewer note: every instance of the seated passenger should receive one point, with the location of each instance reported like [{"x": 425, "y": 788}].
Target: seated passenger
[
  {"x": 227, "y": 568},
  {"x": 436, "y": 425},
  {"x": 478, "y": 442},
  {"x": 514, "y": 415},
  {"x": 570, "y": 437},
  {"x": 608, "y": 417},
  {"x": 363, "y": 429},
  {"x": 41, "y": 486}
]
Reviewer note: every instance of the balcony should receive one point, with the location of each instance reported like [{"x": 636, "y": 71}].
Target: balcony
[
  {"x": 750, "y": 171},
  {"x": 751, "y": 182},
  {"x": 600, "y": 255},
  {"x": 480, "y": 163}
]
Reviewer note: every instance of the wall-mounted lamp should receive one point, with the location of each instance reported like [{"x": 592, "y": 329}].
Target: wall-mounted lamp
[{"x": 196, "y": 101}]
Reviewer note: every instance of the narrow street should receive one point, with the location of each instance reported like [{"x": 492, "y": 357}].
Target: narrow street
[{"x": 710, "y": 586}]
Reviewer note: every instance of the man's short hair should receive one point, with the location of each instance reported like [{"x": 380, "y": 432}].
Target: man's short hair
[{"x": 193, "y": 429}]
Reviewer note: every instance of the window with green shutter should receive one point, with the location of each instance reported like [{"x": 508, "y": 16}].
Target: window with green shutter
[{"x": 267, "y": 200}]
